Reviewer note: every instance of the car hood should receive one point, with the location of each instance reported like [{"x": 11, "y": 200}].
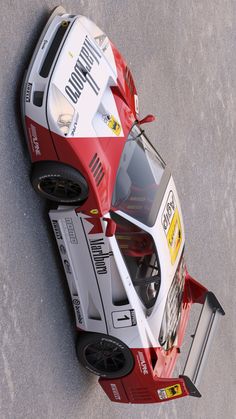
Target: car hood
[{"x": 81, "y": 86}]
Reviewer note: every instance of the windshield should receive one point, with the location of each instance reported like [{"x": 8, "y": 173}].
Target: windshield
[{"x": 138, "y": 178}]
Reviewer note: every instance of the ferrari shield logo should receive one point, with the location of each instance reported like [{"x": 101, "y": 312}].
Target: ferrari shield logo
[{"x": 170, "y": 392}]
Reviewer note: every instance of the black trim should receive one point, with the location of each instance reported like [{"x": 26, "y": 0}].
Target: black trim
[
  {"x": 97, "y": 169},
  {"x": 214, "y": 303},
  {"x": 99, "y": 180},
  {"x": 54, "y": 47},
  {"x": 93, "y": 160},
  {"x": 193, "y": 391},
  {"x": 95, "y": 273},
  {"x": 38, "y": 98}
]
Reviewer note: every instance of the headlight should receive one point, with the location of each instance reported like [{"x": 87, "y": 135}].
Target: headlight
[
  {"x": 172, "y": 312},
  {"x": 102, "y": 41},
  {"x": 62, "y": 112},
  {"x": 64, "y": 122}
]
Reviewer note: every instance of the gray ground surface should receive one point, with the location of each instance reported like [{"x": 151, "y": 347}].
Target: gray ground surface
[{"x": 182, "y": 54}]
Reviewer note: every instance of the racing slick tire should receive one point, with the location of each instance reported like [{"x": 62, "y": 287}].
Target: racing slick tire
[
  {"x": 59, "y": 182},
  {"x": 104, "y": 355}
]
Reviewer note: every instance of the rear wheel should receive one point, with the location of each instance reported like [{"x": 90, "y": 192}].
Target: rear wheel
[
  {"x": 59, "y": 182},
  {"x": 104, "y": 355}
]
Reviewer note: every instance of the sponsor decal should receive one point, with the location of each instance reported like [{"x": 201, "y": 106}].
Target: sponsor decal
[
  {"x": 170, "y": 220},
  {"x": 174, "y": 237},
  {"x": 97, "y": 226},
  {"x": 99, "y": 257},
  {"x": 71, "y": 231},
  {"x": 169, "y": 392},
  {"x": 142, "y": 363},
  {"x": 115, "y": 391},
  {"x": 28, "y": 92},
  {"x": 168, "y": 212},
  {"x": 34, "y": 140},
  {"x": 77, "y": 308},
  {"x": 45, "y": 41},
  {"x": 88, "y": 57},
  {"x": 57, "y": 229},
  {"x": 94, "y": 211},
  {"x": 62, "y": 249},
  {"x": 112, "y": 123},
  {"x": 124, "y": 318},
  {"x": 75, "y": 125},
  {"x": 67, "y": 266}
]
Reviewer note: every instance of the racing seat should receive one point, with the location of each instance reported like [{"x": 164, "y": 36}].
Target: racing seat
[
  {"x": 139, "y": 202},
  {"x": 134, "y": 243}
]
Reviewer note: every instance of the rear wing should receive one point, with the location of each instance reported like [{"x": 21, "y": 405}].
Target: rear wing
[{"x": 197, "y": 356}]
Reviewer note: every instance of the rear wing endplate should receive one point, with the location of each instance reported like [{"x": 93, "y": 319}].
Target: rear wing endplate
[{"x": 210, "y": 314}]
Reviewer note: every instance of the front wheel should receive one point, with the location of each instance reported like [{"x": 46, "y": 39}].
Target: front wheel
[
  {"x": 59, "y": 182},
  {"x": 104, "y": 355}
]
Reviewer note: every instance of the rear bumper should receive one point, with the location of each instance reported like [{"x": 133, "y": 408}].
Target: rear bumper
[{"x": 150, "y": 388}]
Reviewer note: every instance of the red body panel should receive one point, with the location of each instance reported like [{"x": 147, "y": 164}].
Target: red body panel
[
  {"x": 151, "y": 379},
  {"x": 142, "y": 384},
  {"x": 80, "y": 152},
  {"x": 97, "y": 158},
  {"x": 40, "y": 143},
  {"x": 125, "y": 80}
]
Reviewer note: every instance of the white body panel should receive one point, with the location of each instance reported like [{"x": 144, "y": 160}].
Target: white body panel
[
  {"x": 99, "y": 281},
  {"x": 96, "y": 100}
]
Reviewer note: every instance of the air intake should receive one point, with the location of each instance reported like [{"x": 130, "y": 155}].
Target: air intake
[
  {"x": 129, "y": 80},
  {"x": 47, "y": 64},
  {"x": 38, "y": 98},
  {"x": 97, "y": 169}
]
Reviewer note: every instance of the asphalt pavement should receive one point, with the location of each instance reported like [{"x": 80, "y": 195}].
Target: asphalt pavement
[{"x": 182, "y": 55}]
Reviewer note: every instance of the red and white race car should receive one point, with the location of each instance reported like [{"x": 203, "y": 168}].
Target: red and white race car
[{"x": 119, "y": 225}]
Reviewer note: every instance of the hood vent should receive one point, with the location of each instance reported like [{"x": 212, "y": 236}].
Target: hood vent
[{"x": 97, "y": 169}]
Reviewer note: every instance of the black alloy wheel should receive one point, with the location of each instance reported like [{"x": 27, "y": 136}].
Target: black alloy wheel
[
  {"x": 104, "y": 355},
  {"x": 60, "y": 188},
  {"x": 59, "y": 182}
]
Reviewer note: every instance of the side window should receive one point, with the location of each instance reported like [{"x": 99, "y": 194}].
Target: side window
[{"x": 140, "y": 256}]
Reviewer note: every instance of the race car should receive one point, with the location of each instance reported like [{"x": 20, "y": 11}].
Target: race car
[{"x": 118, "y": 221}]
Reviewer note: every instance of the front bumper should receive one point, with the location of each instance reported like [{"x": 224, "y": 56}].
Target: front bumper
[{"x": 37, "y": 76}]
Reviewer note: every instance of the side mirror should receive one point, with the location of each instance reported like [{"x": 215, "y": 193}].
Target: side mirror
[
  {"x": 111, "y": 227},
  {"x": 148, "y": 118}
]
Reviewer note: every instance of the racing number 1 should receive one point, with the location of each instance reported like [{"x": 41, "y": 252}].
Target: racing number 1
[{"x": 124, "y": 318}]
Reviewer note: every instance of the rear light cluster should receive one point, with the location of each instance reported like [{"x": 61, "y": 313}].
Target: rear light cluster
[{"x": 140, "y": 395}]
